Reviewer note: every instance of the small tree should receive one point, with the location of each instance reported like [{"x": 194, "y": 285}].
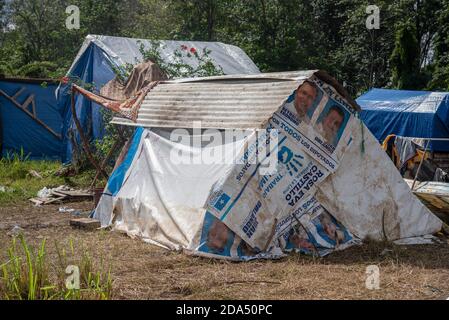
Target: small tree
[{"x": 405, "y": 62}]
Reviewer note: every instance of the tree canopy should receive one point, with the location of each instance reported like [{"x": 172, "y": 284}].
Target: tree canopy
[{"x": 410, "y": 50}]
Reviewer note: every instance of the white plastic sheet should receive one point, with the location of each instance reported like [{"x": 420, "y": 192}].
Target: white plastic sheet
[{"x": 120, "y": 50}]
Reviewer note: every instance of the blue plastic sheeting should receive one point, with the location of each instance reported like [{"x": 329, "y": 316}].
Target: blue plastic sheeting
[
  {"x": 92, "y": 68},
  {"x": 418, "y": 114},
  {"x": 115, "y": 181},
  {"x": 20, "y": 132}
]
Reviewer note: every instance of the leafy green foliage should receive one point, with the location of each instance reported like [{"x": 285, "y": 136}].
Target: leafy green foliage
[
  {"x": 405, "y": 59},
  {"x": 41, "y": 69},
  {"x": 203, "y": 64},
  {"x": 113, "y": 134},
  {"x": 440, "y": 69},
  {"x": 277, "y": 35}
]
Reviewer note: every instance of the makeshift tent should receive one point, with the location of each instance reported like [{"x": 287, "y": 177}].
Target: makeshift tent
[
  {"x": 101, "y": 57},
  {"x": 415, "y": 114},
  {"x": 243, "y": 167},
  {"x": 30, "y": 118}
]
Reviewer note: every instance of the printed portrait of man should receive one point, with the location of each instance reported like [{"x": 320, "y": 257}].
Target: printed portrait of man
[
  {"x": 331, "y": 229},
  {"x": 305, "y": 97},
  {"x": 218, "y": 236},
  {"x": 330, "y": 124}
]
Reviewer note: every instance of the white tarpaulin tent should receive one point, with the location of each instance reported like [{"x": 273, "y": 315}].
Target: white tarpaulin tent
[
  {"x": 289, "y": 166},
  {"x": 101, "y": 58},
  {"x": 121, "y": 51}
]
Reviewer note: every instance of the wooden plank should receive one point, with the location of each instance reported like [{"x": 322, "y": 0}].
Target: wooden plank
[
  {"x": 18, "y": 93},
  {"x": 58, "y": 193},
  {"x": 74, "y": 193},
  {"x": 37, "y": 201},
  {"x": 434, "y": 195},
  {"x": 85, "y": 223},
  {"x": 33, "y": 104},
  {"x": 435, "y": 201},
  {"x": 29, "y": 100},
  {"x": 83, "y": 138},
  {"x": 54, "y": 200}
]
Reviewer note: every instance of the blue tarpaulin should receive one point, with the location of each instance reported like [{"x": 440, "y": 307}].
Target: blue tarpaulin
[
  {"x": 30, "y": 119},
  {"x": 417, "y": 114},
  {"x": 93, "y": 68}
]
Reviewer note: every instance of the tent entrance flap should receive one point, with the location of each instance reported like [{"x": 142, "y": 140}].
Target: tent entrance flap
[{"x": 161, "y": 199}]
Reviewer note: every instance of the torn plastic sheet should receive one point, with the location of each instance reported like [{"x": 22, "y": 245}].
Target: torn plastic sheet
[{"x": 427, "y": 239}]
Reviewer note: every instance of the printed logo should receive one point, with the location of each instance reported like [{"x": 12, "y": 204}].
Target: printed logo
[
  {"x": 287, "y": 157},
  {"x": 222, "y": 202}
]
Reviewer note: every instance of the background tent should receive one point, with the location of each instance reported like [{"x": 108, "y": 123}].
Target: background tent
[
  {"x": 100, "y": 57},
  {"x": 418, "y": 114},
  {"x": 30, "y": 118}
]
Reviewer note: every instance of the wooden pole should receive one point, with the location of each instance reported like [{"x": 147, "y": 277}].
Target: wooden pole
[
  {"x": 30, "y": 114},
  {"x": 105, "y": 161},
  {"x": 83, "y": 138},
  {"x": 420, "y": 164}
]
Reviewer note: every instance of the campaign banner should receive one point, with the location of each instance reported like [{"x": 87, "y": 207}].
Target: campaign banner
[
  {"x": 310, "y": 206},
  {"x": 319, "y": 120},
  {"x": 312, "y": 231},
  {"x": 251, "y": 203},
  {"x": 316, "y": 233},
  {"x": 216, "y": 240},
  {"x": 306, "y": 138}
]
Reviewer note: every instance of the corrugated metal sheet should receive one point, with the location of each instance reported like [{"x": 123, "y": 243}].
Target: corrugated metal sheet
[{"x": 226, "y": 102}]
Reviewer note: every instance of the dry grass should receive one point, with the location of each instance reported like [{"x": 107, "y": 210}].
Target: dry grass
[{"x": 143, "y": 271}]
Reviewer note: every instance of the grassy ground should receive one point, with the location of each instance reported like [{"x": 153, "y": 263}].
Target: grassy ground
[
  {"x": 143, "y": 271},
  {"x": 17, "y": 183}
]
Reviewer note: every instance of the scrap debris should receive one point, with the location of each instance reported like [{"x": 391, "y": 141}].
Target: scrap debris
[
  {"x": 35, "y": 174},
  {"x": 60, "y": 194},
  {"x": 6, "y": 189},
  {"x": 434, "y": 195},
  {"x": 15, "y": 231}
]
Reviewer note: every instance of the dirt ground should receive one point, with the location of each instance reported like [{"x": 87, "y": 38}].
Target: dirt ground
[{"x": 144, "y": 271}]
